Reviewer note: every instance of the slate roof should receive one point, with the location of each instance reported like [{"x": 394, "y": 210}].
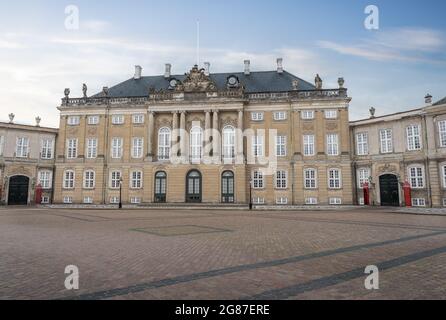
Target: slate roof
[
  {"x": 442, "y": 101},
  {"x": 256, "y": 82}
]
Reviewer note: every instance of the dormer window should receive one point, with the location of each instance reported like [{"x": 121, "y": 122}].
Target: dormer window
[
  {"x": 173, "y": 83},
  {"x": 233, "y": 82}
]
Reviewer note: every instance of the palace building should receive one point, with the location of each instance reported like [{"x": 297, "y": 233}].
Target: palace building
[{"x": 206, "y": 138}]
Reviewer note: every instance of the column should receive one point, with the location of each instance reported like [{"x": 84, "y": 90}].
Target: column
[
  {"x": 207, "y": 133},
  {"x": 174, "y": 136},
  {"x": 215, "y": 135},
  {"x": 183, "y": 134},
  {"x": 150, "y": 135},
  {"x": 239, "y": 137}
]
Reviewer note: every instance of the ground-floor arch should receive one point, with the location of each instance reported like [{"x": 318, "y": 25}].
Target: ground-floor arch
[
  {"x": 193, "y": 187},
  {"x": 18, "y": 190},
  {"x": 389, "y": 190}
]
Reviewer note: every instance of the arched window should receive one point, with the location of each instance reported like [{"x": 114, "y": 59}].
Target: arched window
[
  {"x": 164, "y": 144},
  {"x": 196, "y": 143},
  {"x": 228, "y": 142},
  {"x": 227, "y": 187}
]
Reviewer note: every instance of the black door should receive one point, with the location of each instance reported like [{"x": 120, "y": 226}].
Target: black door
[
  {"x": 388, "y": 185},
  {"x": 227, "y": 187},
  {"x": 193, "y": 187},
  {"x": 160, "y": 187},
  {"x": 18, "y": 190}
]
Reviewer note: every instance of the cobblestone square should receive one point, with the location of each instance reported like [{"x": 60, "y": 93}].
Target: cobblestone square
[{"x": 206, "y": 254}]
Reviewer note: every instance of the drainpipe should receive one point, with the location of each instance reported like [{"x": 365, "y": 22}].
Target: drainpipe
[{"x": 426, "y": 163}]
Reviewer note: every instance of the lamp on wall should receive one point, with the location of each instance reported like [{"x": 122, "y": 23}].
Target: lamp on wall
[{"x": 120, "y": 192}]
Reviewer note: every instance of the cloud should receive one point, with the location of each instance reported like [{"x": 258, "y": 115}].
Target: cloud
[
  {"x": 95, "y": 25},
  {"x": 403, "y": 44}
]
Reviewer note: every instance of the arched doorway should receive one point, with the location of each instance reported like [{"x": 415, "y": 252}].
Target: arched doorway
[
  {"x": 160, "y": 187},
  {"x": 389, "y": 190},
  {"x": 227, "y": 187},
  {"x": 193, "y": 187},
  {"x": 18, "y": 190}
]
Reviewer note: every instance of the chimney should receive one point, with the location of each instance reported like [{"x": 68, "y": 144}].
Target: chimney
[
  {"x": 138, "y": 72},
  {"x": 207, "y": 67},
  {"x": 167, "y": 73},
  {"x": 247, "y": 67},
  {"x": 428, "y": 99},
  {"x": 279, "y": 65}
]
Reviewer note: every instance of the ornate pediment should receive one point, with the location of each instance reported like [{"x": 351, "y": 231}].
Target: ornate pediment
[{"x": 196, "y": 81}]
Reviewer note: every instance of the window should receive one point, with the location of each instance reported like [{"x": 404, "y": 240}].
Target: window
[
  {"x": 282, "y": 200},
  {"x": 137, "y": 148},
  {"x": 363, "y": 176},
  {"x": 334, "y": 179},
  {"x": 68, "y": 179},
  {"x": 416, "y": 176},
  {"x": 444, "y": 202},
  {"x": 88, "y": 200},
  {"x": 72, "y": 148},
  {"x": 45, "y": 200},
  {"x": 2, "y": 145},
  {"x": 92, "y": 148},
  {"x": 310, "y": 201},
  {"x": 442, "y": 132},
  {"x": 118, "y": 119},
  {"x": 93, "y": 120},
  {"x": 418, "y": 202},
  {"x": 136, "y": 181},
  {"x": 73, "y": 120},
  {"x": 258, "y": 200},
  {"x": 335, "y": 201},
  {"x": 386, "y": 141},
  {"x": 307, "y": 115},
  {"x": 135, "y": 200},
  {"x": 444, "y": 176},
  {"x": 164, "y": 144},
  {"x": 46, "y": 150},
  {"x": 258, "y": 180},
  {"x": 280, "y": 146},
  {"x": 67, "y": 200},
  {"x": 257, "y": 116},
  {"x": 309, "y": 145},
  {"x": 310, "y": 179},
  {"x": 331, "y": 114},
  {"x": 257, "y": 146},
  {"x": 196, "y": 143},
  {"x": 281, "y": 179},
  {"x": 116, "y": 151},
  {"x": 114, "y": 200},
  {"x": 228, "y": 142},
  {"x": 362, "y": 144},
  {"x": 332, "y": 145},
  {"x": 280, "y": 115},
  {"x": 89, "y": 179},
  {"x": 45, "y": 179},
  {"x": 115, "y": 179},
  {"x": 413, "y": 138},
  {"x": 138, "y": 119},
  {"x": 22, "y": 147}
]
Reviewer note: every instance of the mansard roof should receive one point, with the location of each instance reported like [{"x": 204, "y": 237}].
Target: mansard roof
[
  {"x": 255, "y": 82},
  {"x": 442, "y": 101}
]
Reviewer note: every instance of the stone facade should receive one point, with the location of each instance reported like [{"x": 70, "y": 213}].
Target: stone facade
[
  {"x": 409, "y": 146},
  {"x": 26, "y": 160}
]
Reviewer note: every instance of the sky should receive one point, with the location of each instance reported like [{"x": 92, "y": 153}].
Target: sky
[{"x": 391, "y": 66}]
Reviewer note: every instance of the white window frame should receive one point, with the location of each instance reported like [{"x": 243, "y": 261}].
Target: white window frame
[
  {"x": 69, "y": 178},
  {"x": 363, "y": 176},
  {"x": 72, "y": 148},
  {"x": 442, "y": 133},
  {"x": 138, "y": 118},
  {"x": 311, "y": 201},
  {"x": 443, "y": 171},
  {"x": 135, "y": 200},
  {"x": 418, "y": 202},
  {"x": 416, "y": 176},
  {"x": 93, "y": 120},
  {"x": 362, "y": 144},
  {"x": 257, "y": 116},
  {"x": 196, "y": 143},
  {"x": 332, "y": 144},
  {"x": 73, "y": 120},
  {"x": 46, "y": 149},
  {"x": 22, "y": 147},
  {"x": 229, "y": 142},
  {"x": 45, "y": 179},
  {"x": 413, "y": 135},
  {"x": 331, "y": 114},
  {"x": 45, "y": 200},
  {"x": 115, "y": 179},
  {"x": 335, "y": 201},
  {"x": 118, "y": 119},
  {"x": 88, "y": 200},
  {"x": 386, "y": 140},
  {"x": 117, "y": 148},
  {"x": 164, "y": 143},
  {"x": 137, "y": 147},
  {"x": 334, "y": 178},
  {"x": 309, "y": 149},
  {"x": 281, "y": 144},
  {"x": 114, "y": 200},
  {"x": 280, "y": 116},
  {"x": 310, "y": 179},
  {"x": 68, "y": 200},
  {"x": 282, "y": 200},
  {"x": 281, "y": 179},
  {"x": 258, "y": 200},
  {"x": 258, "y": 146},
  {"x": 258, "y": 179},
  {"x": 92, "y": 148},
  {"x": 307, "y": 114},
  {"x": 136, "y": 177},
  {"x": 89, "y": 179}
]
